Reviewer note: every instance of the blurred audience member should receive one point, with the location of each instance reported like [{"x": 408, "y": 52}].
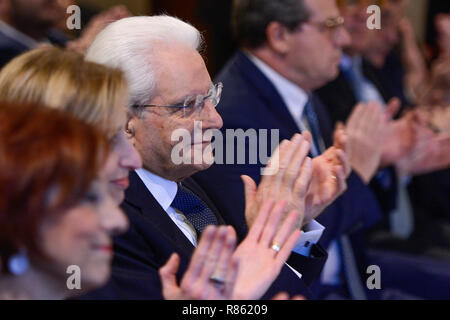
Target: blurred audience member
[
  {"x": 287, "y": 50},
  {"x": 55, "y": 208},
  {"x": 89, "y": 91},
  {"x": 26, "y": 24},
  {"x": 361, "y": 81}
]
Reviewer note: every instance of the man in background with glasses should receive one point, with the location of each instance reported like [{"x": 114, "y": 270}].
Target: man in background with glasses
[{"x": 289, "y": 48}]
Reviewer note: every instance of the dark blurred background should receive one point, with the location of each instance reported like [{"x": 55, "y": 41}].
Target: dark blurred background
[{"x": 212, "y": 17}]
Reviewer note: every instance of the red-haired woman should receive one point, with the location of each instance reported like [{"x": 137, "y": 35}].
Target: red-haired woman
[{"x": 56, "y": 214}]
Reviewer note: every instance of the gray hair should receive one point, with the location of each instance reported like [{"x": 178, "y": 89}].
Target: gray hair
[
  {"x": 129, "y": 44},
  {"x": 250, "y": 18}
]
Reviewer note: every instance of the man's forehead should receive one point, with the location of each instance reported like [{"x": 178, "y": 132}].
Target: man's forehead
[{"x": 181, "y": 72}]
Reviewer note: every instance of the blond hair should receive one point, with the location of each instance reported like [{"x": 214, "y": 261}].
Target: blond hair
[{"x": 63, "y": 80}]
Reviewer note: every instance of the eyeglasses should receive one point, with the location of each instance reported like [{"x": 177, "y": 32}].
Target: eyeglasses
[
  {"x": 193, "y": 104},
  {"x": 329, "y": 26}
]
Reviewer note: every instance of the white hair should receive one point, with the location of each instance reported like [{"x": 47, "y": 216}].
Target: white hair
[{"x": 129, "y": 43}]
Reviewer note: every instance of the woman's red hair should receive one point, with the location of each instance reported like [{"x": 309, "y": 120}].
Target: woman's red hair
[{"x": 48, "y": 159}]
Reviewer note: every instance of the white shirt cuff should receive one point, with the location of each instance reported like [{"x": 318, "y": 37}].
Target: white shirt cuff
[{"x": 311, "y": 234}]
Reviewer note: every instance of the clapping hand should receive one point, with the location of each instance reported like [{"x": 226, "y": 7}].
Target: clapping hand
[
  {"x": 330, "y": 171},
  {"x": 290, "y": 171},
  {"x": 212, "y": 271},
  {"x": 217, "y": 271},
  {"x": 365, "y": 129},
  {"x": 264, "y": 250}
]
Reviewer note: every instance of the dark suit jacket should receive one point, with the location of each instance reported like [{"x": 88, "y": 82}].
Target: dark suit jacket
[
  {"x": 250, "y": 101},
  {"x": 11, "y": 48},
  {"x": 153, "y": 237}
]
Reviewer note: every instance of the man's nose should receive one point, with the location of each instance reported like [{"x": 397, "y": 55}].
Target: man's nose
[
  {"x": 130, "y": 158},
  {"x": 211, "y": 118},
  {"x": 343, "y": 38}
]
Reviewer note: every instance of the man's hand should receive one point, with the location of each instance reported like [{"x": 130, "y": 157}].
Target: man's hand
[
  {"x": 217, "y": 271},
  {"x": 428, "y": 156},
  {"x": 212, "y": 258},
  {"x": 399, "y": 140},
  {"x": 440, "y": 119},
  {"x": 365, "y": 129},
  {"x": 264, "y": 251},
  {"x": 290, "y": 171},
  {"x": 330, "y": 171},
  {"x": 285, "y": 296}
]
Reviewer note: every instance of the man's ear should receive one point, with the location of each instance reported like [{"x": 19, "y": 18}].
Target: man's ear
[
  {"x": 278, "y": 37},
  {"x": 130, "y": 128}
]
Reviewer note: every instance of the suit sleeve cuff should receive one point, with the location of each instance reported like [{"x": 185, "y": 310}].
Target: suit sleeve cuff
[{"x": 311, "y": 235}]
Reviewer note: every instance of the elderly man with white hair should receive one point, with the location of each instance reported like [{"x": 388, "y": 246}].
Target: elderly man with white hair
[{"x": 170, "y": 89}]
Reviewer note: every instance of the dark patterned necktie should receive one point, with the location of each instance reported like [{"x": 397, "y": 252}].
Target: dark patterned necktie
[
  {"x": 310, "y": 114},
  {"x": 194, "y": 209}
]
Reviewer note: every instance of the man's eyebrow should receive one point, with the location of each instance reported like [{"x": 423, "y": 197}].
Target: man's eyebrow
[
  {"x": 192, "y": 95},
  {"x": 182, "y": 100}
]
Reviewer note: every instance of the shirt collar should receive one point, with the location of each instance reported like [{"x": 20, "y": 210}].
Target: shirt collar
[
  {"x": 293, "y": 96},
  {"x": 18, "y": 35},
  {"x": 162, "y": 189}
]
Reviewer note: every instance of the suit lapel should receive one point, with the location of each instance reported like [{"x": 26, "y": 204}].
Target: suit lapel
[
  {"x": 140, "y": 197},
  {"x": 280, "y": 116}
]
